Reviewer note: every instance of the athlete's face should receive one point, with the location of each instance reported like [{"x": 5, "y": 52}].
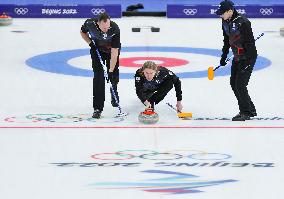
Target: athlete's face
[
  {"x": 104, "y": 25},
  {"x": 227, "y": 15},
  {"x": 149, "y": 74}
]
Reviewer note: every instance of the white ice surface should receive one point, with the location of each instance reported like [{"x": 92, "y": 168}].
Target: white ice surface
[{"x": 26, "y": 153}]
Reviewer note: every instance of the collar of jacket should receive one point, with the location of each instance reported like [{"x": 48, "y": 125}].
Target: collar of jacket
[{"x": 235, "y": 16}]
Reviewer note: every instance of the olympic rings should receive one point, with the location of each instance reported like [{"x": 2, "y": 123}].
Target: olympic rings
[
  {"x": 21, "y": 11},
  {"x": 97, "y": 11},
  {"x": 266, "y": 11},
  {"x": 189, "y": 11},
  {"x": 57, "y": 118},
  {"x": 160, "y": 156}
]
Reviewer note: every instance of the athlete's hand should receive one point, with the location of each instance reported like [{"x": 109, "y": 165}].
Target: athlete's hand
[
  {"x": 147, "y": 104},
  {"x": 179, "y": 106},
  {"x": 110, "y": 77},
  {"x": 223, "y": 61}
]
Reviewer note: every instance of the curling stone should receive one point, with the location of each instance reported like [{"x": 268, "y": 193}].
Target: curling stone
[
  {"x": 5, "y": 20},
  {"x": 148, "y": 117}
]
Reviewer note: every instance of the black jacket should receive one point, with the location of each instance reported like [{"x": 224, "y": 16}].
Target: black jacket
[
  {"x": 104, "y": 41},
  {"x": 238, "y": 35},
  {"x": 145, "y": 88}
]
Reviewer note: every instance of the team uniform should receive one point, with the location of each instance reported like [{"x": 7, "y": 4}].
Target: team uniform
[
  {"x": 104, "y": 42},
  {"x": 155, "y": 91},
  {"x": 239, "y": 37}
]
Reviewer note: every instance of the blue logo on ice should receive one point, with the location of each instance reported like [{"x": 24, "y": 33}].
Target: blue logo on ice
[
  {"x": 57, "y": 62},
  {"x": 178, "y": 183}
]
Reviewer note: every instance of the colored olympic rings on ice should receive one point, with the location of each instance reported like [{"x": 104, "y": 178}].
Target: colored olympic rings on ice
[
  {"x": 57, "y": 118},
  {"x": 160, "y": 156}
]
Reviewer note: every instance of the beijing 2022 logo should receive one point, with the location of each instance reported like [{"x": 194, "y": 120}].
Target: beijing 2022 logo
[{"x": 165, "y": 166}]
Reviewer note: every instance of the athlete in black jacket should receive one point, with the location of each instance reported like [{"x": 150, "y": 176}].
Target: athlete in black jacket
[
  {"x": 106, "y": 35},
  {"x": 153, "y": 83},
  {"x": 239, "y": 37}
]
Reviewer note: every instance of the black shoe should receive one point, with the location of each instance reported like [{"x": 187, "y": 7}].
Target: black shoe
[
  {"x": 241, "y": 117},
  {"x": 253, "y": 114},
  {"x": 97, "y": 114}
]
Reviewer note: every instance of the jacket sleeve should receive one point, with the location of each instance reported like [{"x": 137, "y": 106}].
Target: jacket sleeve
[
  {"x": 115, "y": 42},
  {"x": 177, "y": 85},
  {"x": 84, "y": 27},
  {"x": 139, "y": 88}
]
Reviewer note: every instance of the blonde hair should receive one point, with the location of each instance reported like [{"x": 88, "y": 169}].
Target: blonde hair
[{"x": 150, "y": 65}]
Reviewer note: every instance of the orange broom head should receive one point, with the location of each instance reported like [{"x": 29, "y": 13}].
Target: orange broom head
[
  {"x": 210, "y": 73},
  {"x": 184, "y": 115}
]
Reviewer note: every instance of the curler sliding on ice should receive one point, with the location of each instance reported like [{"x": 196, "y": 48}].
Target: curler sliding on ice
[{"x": 153, "y": 83}]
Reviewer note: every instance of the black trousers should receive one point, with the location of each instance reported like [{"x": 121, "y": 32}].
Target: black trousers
[
  {"x": 161, "y": 92},
  {"x": 240, "y": 76},
  {"x": 99, "y": 80}
]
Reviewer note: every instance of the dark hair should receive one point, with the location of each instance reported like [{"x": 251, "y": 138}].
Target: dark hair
[{"x": 103, "y": 17}]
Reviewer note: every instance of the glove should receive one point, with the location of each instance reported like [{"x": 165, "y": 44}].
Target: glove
[
  {"x": 92, "y": 45},
  {"x": 223, "y": 61},
  {"x": 110, "y": 77}
]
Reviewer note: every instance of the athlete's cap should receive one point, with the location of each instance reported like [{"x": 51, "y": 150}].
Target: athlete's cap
[{"x": 224, "y": 7}]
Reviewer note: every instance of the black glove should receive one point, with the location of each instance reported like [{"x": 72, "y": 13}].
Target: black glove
[
  {"x": 110, "y": 77},
  {"x": 92, "y": 45},
  {"x": 223, "y": 61}
]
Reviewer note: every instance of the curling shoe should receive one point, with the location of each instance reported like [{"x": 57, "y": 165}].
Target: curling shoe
[
  {"x": 241, "y": 117},
  {"x": 97, "y": 114},
  {"x": 253, "y": 114}
]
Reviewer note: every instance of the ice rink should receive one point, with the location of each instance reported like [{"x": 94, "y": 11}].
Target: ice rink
[{"x": 50, "y": 147}]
